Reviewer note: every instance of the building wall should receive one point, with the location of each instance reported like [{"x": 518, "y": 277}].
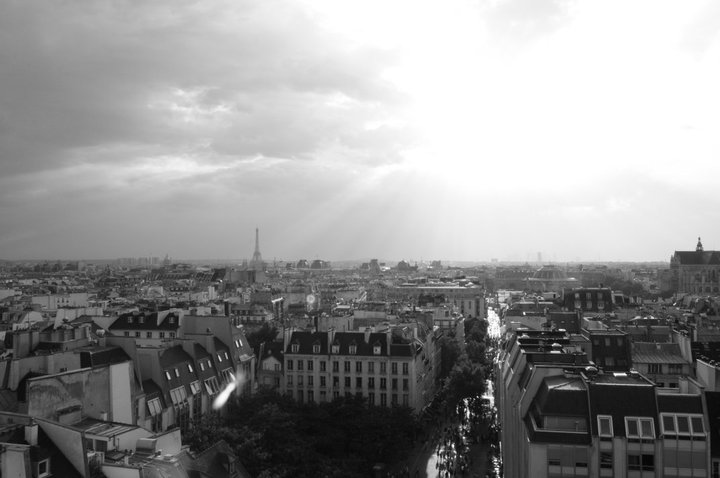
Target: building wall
[
  {"x": 91, "y": 389},
  {"x": 69, "y": 441},
  {"x": 49, "y": 364},
  {"x": 121, "y": 402},
  {"x": 15, "y": 461}
]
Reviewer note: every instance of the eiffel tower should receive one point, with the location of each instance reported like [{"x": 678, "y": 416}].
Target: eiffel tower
[{"x": 257, "y": 263}]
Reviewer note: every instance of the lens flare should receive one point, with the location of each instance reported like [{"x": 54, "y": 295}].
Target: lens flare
[{"x": 223, "y": 397}]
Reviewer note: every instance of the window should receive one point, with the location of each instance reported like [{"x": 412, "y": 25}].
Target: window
[
  {"x": 655, "y": 368},
  {"x": 405, "y": 369},
  {"x": 219, "y": 358},
  {"x": 371, "y": 399},
  {"x": 323, "y": 366},
  {"x": 383, "y": 367},
  {"x": 177, "y": 372},
  {"x": 154, "y": 406},
  {"x": 336, "y": 348},
  {"x": 172, "y": 335},
  {"x": 290, "y": 365},
  {"x": 127, "y": 333},
  {"x": 606, "y": 460},
  {"x": 161, "y": 335},
  {"x": 353, "y": 349},
  {"x": 336, "y": 381},
  {"x": 290, "y": 380},
  {"x": 639, "y": 428},
  {"x": 406, "y": 384},
  {"x": 358, "y": 382},
  {"x": 371, "y": 367},
  {"x": 685, "y": 425},
  {"x": 195, "y": 387},
  {"x": 371, "y": 382},
  {"x": 316, "y": 348},
  {"x": 300, "y": 365},
  {"x": 644, "y": 462},
  {"x": 336, "y": 366},
  {"x": 148, "y": 335},
  {"x": 202, "y": 367},
  {"x": 383, "y": 383},
  {"x": 605, "y": 426},
  {"x": 394, "y": 368},
  {"x": 383, "y": 399},
  {"x": 300, "y": 381},
  {"x": 376, "y": 349},
  {"x": 226, "y": 355},
  {"x": 310, "y": 365},
  {"x": 295, "y": 348},
  {"x": 167, "y": 375},
  {"x": 347, "y": 382},
  {"x": 394, "y": 384},
  {"x": 310, "y": 396},
  {"x": 322, "y": 381},
  {"x": 311, "y": 381},
  {"x": 394, "y": 398},
  {"x": 358, "y": 367},
  {"x": 43, "y": 468},
  {"x": 347, "y": 366}
]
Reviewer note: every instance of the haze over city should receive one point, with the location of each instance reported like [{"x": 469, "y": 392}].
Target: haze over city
[{"x": 462, "y": 130}]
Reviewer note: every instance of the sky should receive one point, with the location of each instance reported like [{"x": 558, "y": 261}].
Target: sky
[{"x": 415, "y": 130}]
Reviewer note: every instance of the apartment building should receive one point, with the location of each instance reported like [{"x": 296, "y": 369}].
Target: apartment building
[
  {"x": 393, "y": 367},
  {"x": 562, "y": 417}
]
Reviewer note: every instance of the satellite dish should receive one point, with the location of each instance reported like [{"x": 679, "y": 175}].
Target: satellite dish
[{"x": 310, "y": 299}]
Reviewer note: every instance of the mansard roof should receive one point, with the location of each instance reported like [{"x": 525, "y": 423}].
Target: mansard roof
[{"x": 344, "y": 340}]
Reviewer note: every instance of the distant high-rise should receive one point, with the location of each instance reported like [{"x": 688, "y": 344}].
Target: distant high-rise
[{"x": 257, "y": 263}]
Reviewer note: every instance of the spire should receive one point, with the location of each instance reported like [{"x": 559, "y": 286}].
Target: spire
[{"x": 699, "y": 247}]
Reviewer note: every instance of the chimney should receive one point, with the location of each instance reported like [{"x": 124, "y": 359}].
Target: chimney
[
  {"x": 331, "y": 337},
  {"x": 367, "y": 334},
  {"x": 104, "y": 416},
  {"x": 31, "y": 433}
]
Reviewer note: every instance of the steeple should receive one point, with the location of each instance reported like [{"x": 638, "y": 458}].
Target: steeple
[{"x": 699, "y": 247}]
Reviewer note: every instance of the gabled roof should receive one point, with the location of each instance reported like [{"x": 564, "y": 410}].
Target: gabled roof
[{"x": 697, "y": 257}]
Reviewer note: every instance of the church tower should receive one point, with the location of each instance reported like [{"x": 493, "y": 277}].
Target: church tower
[{"x": 699, "y": 247}]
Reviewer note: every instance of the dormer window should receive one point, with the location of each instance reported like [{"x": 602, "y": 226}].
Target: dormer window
[
  {"x": 141, "y": 320},
  {"x": 226, "y": 356},
  {"x": 336, "y": 348},
  {"x": 219, "y": 357},
  {"x": 353, "y": 349},
  {"x": 376, "y": 349},
  {"x": 130, "y": 320},
  {"x": 316, "y": 348},
  {"x": 605, "y": 426},
  {"x": 177, "y": 373},
  {"x": 171, "y": 319},
  {"x": 202, "y": 367},
  {"x": 295, "y": 348},
  {"x": 167, "y": 375},
  {"x": 639, "y": 428},
  {"x": 43, "y": 468},
  {"x": 190, "y": 368}
]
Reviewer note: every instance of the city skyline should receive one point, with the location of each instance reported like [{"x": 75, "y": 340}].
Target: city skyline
[{"x": 471, "y": 130}]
